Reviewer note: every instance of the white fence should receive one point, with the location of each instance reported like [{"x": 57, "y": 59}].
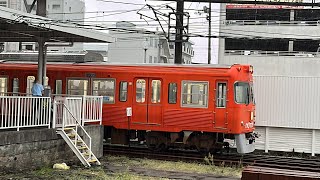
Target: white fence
[
  {"x": 86, "y": 109},
  {"x": 22, "y": 111}
]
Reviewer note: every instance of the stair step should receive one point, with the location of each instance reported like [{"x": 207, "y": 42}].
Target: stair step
[
  {"x": 78, "y": 141},
  {"x": 86, "y": 154},
  {"x": 67, "y": 129},
  {"x": 71, "y": 135},
  {"x": 82, "y": 147},
  {"x": 92, "y": 160}
]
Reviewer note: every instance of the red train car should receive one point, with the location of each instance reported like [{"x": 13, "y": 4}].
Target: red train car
[{"x": 197, "y": 106}]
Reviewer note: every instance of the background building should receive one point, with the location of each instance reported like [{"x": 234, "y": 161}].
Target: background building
[
  {"x": 135, "y": 45},
  {"x": 277, "y": 40}
]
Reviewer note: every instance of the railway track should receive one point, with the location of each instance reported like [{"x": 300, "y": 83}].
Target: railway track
[{"x": 285, "y": 163}]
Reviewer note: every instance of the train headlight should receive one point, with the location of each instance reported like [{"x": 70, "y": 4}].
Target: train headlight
[{"x": 251, "y": 69}]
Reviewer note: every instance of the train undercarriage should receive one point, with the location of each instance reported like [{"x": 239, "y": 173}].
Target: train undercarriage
[{"x": 160, "y": 141}]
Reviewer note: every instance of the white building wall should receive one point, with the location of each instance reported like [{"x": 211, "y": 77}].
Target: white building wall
[
  {"x": 283, "y": 101},
  {"x": 287, "y": 113}
]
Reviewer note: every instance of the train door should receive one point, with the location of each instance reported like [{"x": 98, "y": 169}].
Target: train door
[
  {"x": 147, "y": 105},
  {"x": 221, "y": 114}
]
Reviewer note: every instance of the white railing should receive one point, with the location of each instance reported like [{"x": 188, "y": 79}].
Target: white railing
[
  {"x": 85, "y": 108},
  {"x": 92, "y": 109},
  {"x": 23, "y": 111},
  {"x": 272, "y": 53},
  {"x": 271, "y": 23},
  {"x": 62, "y": 118}
]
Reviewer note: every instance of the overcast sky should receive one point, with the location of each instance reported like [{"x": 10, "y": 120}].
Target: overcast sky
[{"x": 107, "y": 12}]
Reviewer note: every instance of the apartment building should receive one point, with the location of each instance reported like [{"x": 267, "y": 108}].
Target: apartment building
[{"x": 276, "y": 40}]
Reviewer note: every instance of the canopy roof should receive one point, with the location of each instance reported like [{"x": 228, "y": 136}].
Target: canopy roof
[{"x": 17, "y": 26}]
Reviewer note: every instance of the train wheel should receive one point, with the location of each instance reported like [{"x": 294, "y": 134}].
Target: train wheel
[{"x": 156, "y": 141}]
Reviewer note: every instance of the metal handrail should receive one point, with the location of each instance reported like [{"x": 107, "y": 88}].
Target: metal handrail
[{"x": 77, "y": 124}]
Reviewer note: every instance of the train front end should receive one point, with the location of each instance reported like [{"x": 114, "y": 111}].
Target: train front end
[{"x": 243, "y": 108}]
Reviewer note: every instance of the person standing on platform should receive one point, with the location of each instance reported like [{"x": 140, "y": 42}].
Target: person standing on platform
[{"x": 37, "y": 88}]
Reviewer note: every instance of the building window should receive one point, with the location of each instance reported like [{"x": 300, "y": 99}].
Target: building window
[
  {"x": 155, "y": 91},
  {"x": 29, "y": 47},
  {"x": 140, "y": 90},
  {"x": 77, "y": 86},
  {"x": 105, "y": 88},
  {"x": 3, "y": 3},
  {"x": 155, "y": 60},
  {"x": 69, "y": 9},
  {"x": 150, "y": 59},
  {"x": 151, "y": 42},
  {"x": 56, "y": 6},
  {"x": 172, "y": 93},
  {"x": 123, "y": 91},
  {"x": 3, "y": 86},
  {"x": 194, "y": 94},
  {"x": 221, "y": 97}
]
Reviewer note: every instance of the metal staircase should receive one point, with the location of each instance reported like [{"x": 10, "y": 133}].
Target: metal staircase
[
  {"x": 68, "y": 113},
  {"x": 78, "y": 146}
]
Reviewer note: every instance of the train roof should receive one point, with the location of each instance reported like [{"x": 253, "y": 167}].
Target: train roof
[{"x": 121, "y": 64}]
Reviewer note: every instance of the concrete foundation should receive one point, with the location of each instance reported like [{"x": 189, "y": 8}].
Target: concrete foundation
[{"x": 35, "y": 148}]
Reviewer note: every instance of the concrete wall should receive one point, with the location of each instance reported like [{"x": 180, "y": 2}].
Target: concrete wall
[{"x": 35, "y": 148}]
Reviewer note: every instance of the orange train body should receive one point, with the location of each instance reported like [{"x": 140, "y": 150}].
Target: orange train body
[{"x": 163, "y": 98}]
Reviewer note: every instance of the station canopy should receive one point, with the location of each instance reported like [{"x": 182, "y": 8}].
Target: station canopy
[{"x": 17, "y": 26}]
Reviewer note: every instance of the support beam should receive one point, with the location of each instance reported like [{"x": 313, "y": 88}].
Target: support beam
[
  {"x": 40, "y": 75},
  {"x": 209, "y": 38},
  {"x": 42, "y": 8},
  {"x": 179, "y": 33}
]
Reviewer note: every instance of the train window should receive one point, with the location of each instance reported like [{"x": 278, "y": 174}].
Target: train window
[
  {"x": 77, "y": 86},
  {"x": 140, "y": 90},
  {"x": 172, "y": 93},
  {"x": 194, "y": 94},
  {"x": 15, "y": 85},
  {"x": 3, "y": 86},
  {"x": 221, "y": 94},
  {"x": 105, "y": 88},
  {"x": 30, "y": 81},
  {"x": 242, "y": 94},
  {"x": 155, "y": 91},
  {"x": 58, "y": 87},
  {"x": 123, "y": 91}
]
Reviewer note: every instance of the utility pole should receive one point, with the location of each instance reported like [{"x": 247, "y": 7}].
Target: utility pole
[
  {"x": 179, "y": 33},
  {"x": 209, "y": 38}
]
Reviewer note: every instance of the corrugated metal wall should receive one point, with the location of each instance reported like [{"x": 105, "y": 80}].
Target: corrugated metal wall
[
  {"x": 287, "y": 139},
  {"x": 292, "y": 102}
]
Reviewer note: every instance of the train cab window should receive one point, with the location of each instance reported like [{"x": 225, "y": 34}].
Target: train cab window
[
  {"x": 172, "y": 93},
  {"x": 58, "y": 87},
  {"x": 77, "y": 86},
  {"x": 194, "y": 94},
  {"x": 242, "y": 92},
  {"x": 221, "y": 94},
  {"x": 155, "y": 91},
  {"x": 15, "y": 85},
  {"x": 3, "y": 86},
  {"x": 123, "y": 91},
  {"x": 140, "y": 90},
  {"x": 105, "y": 88}
]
